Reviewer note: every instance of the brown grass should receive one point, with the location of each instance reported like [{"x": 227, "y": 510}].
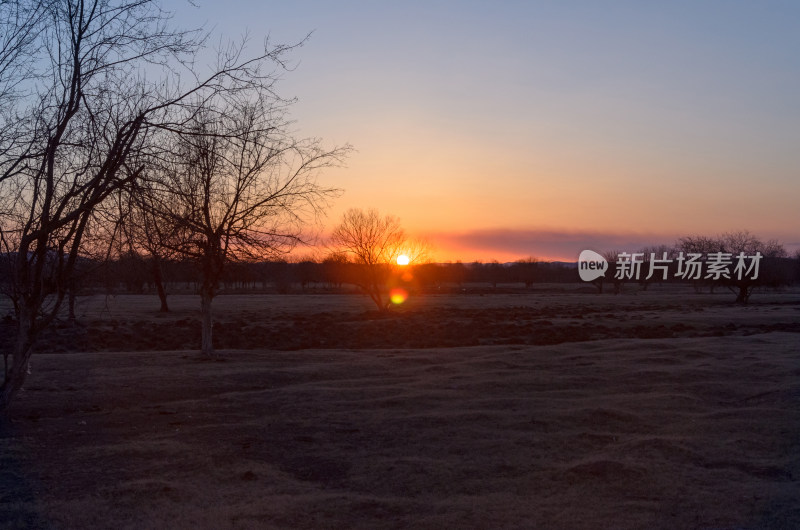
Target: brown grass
[{"x": 697, "y": 427}]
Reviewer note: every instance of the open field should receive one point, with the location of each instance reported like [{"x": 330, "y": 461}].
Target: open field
[
  {"x": 555, "y": 410},
  {"x": 291, "y": 322}
]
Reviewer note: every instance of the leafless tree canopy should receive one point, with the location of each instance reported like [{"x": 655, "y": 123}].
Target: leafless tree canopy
[
  {"x": 374, "y": 242},
  {"x": 368, "y": 237},
  {"x": 237, "y": 186},
  {"x": 734, "y": 243},
  {"x": 88, "y": 89}
]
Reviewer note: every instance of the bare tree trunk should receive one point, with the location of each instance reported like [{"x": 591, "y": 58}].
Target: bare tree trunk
[
  {"x": 206, "y": 296},
  {"x": 71, "y": 303},
  {"x": 159, "y": 281},
  {"x": 21, "y": 354},
  {"x": 378, "y": 299},
  {"x": 743, "y": 295}
]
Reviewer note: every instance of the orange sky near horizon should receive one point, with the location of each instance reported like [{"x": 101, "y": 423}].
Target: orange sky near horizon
[{"x": 501, "y": 131}]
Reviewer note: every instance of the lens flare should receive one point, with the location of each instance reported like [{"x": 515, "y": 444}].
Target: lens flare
[
  {"x": 398, "y": 295},
  {"x": 402, "y": 259}
]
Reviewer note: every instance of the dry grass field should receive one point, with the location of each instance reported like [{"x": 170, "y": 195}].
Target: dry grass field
[{"x": 657, "y": 409}]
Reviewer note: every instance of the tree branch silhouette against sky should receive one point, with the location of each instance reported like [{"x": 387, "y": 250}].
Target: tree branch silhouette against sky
[{"x": 507, "y": 129}]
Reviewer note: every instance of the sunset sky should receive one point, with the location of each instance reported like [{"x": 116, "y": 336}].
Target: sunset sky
[{"x": 508, "y": 129}]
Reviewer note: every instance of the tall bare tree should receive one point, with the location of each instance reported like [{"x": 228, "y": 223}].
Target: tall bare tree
[
  {"x": 93, "y": 81},
  {"x": 239, "y": 187}
]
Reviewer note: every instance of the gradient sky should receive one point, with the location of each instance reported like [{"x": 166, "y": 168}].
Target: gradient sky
[{"x": 507, "y": 129}]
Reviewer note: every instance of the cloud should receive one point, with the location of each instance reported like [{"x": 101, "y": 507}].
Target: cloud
[{"x": 504, "y": 243}]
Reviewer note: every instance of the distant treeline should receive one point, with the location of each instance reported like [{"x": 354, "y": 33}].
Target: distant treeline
[
  {"x": 138, "y": 274},
  {"x": 141, "y": 274}
]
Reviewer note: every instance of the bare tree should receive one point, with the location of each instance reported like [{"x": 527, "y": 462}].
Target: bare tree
[
  {"x": 527, "y": 270},
  {"x": 701, "y": 245},
  {"x": 730, "y": 246},
  {"x": 746, "y": 244},
  {"x": 374, "y": 242},
  {"x": 137, "y": 230},
  {"x": 611, "y": 257},
  {"x": 238, "y": 188},
  {"x": 20, "y": 23},
  {"x": 650, "y": 261},
  {"x": 100, "y": 79}
]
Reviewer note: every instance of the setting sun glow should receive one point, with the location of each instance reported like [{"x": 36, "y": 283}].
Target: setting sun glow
[{"x": 402, "y": 259}]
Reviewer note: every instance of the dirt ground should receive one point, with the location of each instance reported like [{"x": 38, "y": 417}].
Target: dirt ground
[{"x": 659, "y": 409}]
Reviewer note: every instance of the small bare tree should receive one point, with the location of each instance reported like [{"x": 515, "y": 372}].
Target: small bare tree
[
  {"x": 374, "y": 242},
  {"x": 650, "y": 257},
  {"x": 527, "y": 270},
  {"x": 731, "y": 245},
  {"x": 745, "y": 243}
]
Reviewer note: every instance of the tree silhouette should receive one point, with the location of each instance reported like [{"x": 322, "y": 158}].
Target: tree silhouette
[
  {"x": 99, "y": 80},
  {"x": 747, "y": 245},
  {"x": 374, "y": 242},
  {"x": 237, "y": 187}
]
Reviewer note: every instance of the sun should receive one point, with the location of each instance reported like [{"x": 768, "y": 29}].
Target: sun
[{"x": 402, "y": 259}]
